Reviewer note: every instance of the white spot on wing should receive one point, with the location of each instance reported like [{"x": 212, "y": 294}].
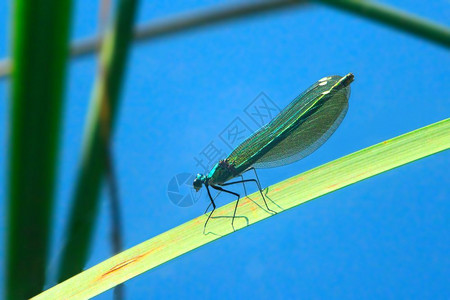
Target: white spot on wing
[
  {"x": 323, "y": 83},
  {"x": 324, "y": 79},
  {"x": 326, "y": 92}
]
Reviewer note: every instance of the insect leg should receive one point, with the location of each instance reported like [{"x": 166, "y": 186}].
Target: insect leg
[
  {"x": 239, "y": 181},
  {"x": 245, "y": 190},
  {"x": 207, "y": 208},
  {"x": 259, "y": 187},
  {"x": 213, "y": 204},
  {"x": 230, "y": 192}
]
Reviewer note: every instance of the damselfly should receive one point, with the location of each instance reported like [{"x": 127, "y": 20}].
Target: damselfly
[{"x": 297, "y": 131}]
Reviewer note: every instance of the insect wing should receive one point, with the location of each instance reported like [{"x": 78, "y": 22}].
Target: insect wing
[
  {"x": 310, "y": 135},
  {"x": 304, "y": 126}
]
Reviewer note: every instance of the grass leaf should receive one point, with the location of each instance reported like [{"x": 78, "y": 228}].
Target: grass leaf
[
  {"x": 381, "y": 13},
  {"x": 283, "y": 196},
  {"x": 40, "y": 51},
  {"x": 395, "y": 18},
  {"x": 105, "y": 100}
]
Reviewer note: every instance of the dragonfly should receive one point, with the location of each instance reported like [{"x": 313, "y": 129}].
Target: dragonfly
[{"x": 297, "y": 131}]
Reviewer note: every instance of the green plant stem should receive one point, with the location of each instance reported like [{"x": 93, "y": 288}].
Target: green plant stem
[
  {"x": 395, "y": 18},
  {"x": 173, "y": 25},
  {"x": 282, "y": 196},
  {"x": 40, "y": 51},
  {"x": 104, "y": 104}
]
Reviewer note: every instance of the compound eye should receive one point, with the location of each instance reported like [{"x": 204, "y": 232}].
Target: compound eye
[{"x": 197, "y": 184}]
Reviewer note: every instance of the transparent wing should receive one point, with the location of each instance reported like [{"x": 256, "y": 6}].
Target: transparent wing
[
  {"x": 299, "y": 128},
  {"x": 309, "y": 136}
]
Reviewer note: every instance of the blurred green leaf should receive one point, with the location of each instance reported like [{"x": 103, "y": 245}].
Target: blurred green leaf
[
  {"x": 105, "y": 102},
  {"x": 40, "y": 51},
  {"x": 285, "y": 195},
  {"x": 196, "y": 19},
  {"x": 395, "y": 18}
]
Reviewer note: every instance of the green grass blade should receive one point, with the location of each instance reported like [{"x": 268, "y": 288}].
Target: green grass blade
[
  {"x": 85, "y": 200},
  {"x": 199, "y": 19},
  {"x": 40, "y": 51},
  {"x": 180, "y": 23},
  {"x": 285, "y": 195},
  {"x": 395, "y": 18}
]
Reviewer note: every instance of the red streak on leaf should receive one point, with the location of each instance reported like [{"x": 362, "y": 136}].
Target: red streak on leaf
[
  {"x": 121, "y": 265},
  {"x": 127, "y": 262},
  {"x": 333, "y": 186}
]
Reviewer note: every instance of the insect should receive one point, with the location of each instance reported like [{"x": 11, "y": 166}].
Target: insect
[{"x": 297, "y": 131}]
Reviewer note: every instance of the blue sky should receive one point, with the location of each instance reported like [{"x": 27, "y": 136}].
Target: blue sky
[{"x": 385, "y": 237}]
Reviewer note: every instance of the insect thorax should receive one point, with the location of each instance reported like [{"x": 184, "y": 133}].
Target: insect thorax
[{"x": 222, "y": 172}]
